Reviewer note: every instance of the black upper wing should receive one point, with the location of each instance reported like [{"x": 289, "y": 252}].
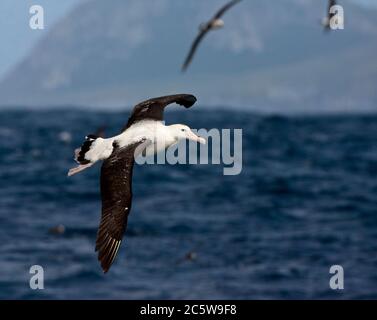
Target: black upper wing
[
  {"x": 116, "y": 194},
  {"x": 194, "y": 46},
  {"x": 225, "y": 8},
  {"x": 153, "y": 109}
]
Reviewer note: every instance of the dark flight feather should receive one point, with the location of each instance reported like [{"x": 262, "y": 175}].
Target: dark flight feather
[
  {"x": 116, "y": 194},
  {"x": 225, "y": 8},
  {"x": 153, "y": 109},
  {"x": 194, "y": 46}
]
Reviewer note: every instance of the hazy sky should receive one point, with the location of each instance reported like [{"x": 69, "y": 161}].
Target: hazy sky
[{"x": 17, "y": 38}]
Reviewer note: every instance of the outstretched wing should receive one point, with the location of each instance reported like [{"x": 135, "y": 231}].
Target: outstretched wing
[
  {"x": 153, "y": 109},
  {"x": 225, "y": 8},
  {"x": 193, "y": 48},
  {"x": 116, "y": 194}
]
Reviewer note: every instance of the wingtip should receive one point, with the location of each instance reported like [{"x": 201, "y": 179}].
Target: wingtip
[
  {"x": 107, "y": 252},
  {"x": 189, "y": 100},
  {"x": 104, "y": 266}
]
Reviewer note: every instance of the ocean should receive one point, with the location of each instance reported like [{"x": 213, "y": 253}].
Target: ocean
[{"x": 305, "y": 200}]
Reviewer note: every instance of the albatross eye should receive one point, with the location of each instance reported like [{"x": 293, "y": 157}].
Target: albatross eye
[{"x": 183, "y": 130}]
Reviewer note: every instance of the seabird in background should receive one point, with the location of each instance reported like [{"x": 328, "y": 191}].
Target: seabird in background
[
  {"x": 144, "y": 132},
  {"x": 215, "y": 23},
  {"x": 326, "y": 20}
]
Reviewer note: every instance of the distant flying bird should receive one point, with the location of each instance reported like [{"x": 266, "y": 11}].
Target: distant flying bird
[
  {"x": 144, "y": 133},
  {"x": 215, "y": 23},
  {"x": 326, "y": 20}
]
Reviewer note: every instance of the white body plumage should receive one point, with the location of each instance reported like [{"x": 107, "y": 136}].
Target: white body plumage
[{"x": 158, "y": 136}]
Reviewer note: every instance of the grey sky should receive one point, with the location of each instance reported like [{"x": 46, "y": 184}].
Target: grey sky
[{"x": 17, "y": 38}]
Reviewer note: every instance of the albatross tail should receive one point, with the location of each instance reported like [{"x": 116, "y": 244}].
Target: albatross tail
[{"x": 93, "y": 149}]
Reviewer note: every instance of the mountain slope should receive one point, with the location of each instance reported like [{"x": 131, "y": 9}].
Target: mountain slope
[{"x": 270, "y": 54}]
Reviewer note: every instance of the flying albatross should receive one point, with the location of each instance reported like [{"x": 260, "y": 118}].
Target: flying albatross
[
  {"x": 215, "y": 23},
  {"x": 326, "y": 20},
  {"x": 144, "y": 133}
]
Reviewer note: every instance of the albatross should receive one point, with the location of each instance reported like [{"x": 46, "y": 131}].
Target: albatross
[
  {"x": 215, "y": 23},
  {"x": 144, "y": 133}
]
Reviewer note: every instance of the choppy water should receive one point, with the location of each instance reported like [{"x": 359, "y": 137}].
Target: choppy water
[{"x": 305, "y": 200}]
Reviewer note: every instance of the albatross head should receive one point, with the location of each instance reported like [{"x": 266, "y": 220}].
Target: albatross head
[{"x": 183, "y": 132}]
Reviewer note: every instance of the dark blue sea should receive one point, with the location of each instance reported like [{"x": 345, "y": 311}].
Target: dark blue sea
[{"x": 305, "y": 200}]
